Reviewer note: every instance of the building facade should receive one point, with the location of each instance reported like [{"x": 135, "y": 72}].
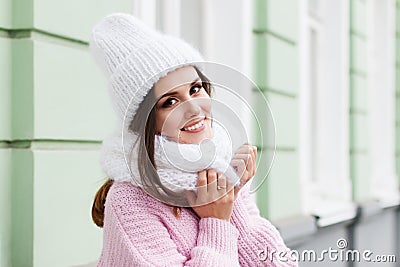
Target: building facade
[{"x": 330, "y": 71}]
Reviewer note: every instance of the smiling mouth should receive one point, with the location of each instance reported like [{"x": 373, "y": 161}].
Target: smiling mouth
[{"x": 195, "y": 126}]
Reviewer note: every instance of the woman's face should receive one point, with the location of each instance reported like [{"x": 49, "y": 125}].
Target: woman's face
[{"x": 183, "y": 107}]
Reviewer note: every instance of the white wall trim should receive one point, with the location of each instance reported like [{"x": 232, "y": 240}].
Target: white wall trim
[
  {"x": 170, "y": 16},
  {"x": 381, "y": 90},
  {"x": 330, "y": 194},
  {"x": 146, "y": 10},
  {"x": 227, "y": 40}
]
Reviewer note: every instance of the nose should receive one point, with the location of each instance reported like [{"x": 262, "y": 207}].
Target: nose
[{"x": 191, "y": 108}]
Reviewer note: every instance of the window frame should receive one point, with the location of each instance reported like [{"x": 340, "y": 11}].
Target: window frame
[
  {"x": 329, "y": 198},
  {"x": 381, "y": 70}
]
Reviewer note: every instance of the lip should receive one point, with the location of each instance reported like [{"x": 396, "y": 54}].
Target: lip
[
  {"x": 196, "y": 130},
  {"x": 193, "y": 123}
]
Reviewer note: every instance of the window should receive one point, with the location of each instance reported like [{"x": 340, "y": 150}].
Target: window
[
  {"x": 324, "y": 145},
  {"x": 381, "y": 93}
]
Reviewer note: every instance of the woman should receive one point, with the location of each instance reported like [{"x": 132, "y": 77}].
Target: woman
[{"x": 151, "y": 212}]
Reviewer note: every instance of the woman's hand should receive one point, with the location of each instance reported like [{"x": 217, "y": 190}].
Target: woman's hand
[
  {"x": 244, "y": 162},
  {"x": 215, "y": 196}
]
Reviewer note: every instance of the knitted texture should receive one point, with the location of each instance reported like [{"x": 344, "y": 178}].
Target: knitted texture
[
  {"x": 134, "y": 57},
  {"x": 177, "y": 164},
  {"x": 141, "y": 231}
]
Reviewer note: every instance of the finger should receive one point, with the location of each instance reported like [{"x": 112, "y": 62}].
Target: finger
[
  {"x": 243, "y": 173},
  {"x": 221, "y": 183},
  {"x": 244, "y": 149},
  {"x": 245, "y": 178},
  {"x": 211, "y": 179},
  {"x": 254, "y": 150},
  {"x": 238, "y": 166},
  {"x": 246, "y": 159},
  {"x": 202, "y": 183},
  {"x": 252, "y": 166},
  {"x": 248, "y": 149}
]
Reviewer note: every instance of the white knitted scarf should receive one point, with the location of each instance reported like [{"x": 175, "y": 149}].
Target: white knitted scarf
[{"x": 177, "y": 164}]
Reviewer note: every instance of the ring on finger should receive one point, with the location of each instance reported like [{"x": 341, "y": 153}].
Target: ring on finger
[{"x": 219, "y": 187}]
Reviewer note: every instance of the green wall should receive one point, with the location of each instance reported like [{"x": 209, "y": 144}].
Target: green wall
[
  {"x": 54, "y": 112},
  {"x": 5, "y": 207},
  {"x": 276, "y": 59},
  {"x": 359, "y": 151}
]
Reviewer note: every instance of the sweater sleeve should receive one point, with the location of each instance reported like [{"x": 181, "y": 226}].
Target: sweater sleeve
[
  {"x": 260, "y": 243},
  {"x": 136, "y": 236}
]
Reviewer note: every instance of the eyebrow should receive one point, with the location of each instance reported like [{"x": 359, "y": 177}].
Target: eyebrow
[{"x": 174, "y": 92}]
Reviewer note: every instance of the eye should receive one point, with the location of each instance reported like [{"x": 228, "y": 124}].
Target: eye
[
  {"x": 169, "y": 102},
  {"x": 196, "y": 88}
]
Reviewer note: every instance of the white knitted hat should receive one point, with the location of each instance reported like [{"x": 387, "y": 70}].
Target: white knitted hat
[{"x": 134, "y": 57}]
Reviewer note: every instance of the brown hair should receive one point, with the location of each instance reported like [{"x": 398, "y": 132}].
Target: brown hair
[
  {"x": 98, "y": 203},
  {"x": 147, "y": 168}
]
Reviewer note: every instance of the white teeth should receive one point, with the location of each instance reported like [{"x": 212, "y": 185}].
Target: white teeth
[{"x": 194, "y": 127}]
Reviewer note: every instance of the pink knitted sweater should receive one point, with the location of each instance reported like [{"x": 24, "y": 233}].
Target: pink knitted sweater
[{"x": 141, "y": 231}]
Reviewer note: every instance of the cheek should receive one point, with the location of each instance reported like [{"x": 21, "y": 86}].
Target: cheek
[
  {"x": 168, "y": 122},
  {"x": 205, "y": 105}
]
